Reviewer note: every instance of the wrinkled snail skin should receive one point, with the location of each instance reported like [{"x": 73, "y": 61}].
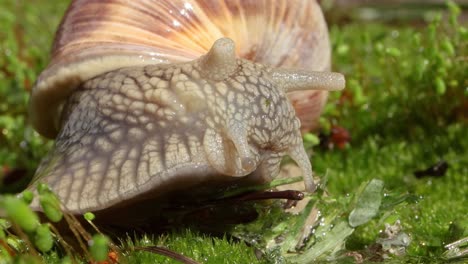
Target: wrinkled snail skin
[{"x": 147, "y": 129}]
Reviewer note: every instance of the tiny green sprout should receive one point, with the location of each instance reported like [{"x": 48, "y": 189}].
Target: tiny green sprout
[
  {"x": 448, "y": 46},
  {"x": 455, "y": 11},
  {"x": 417, "y": 38},
  {"x": 4, "y": 224},
  {"x": 325, "y": 125},
  {"x": 2, "y": 234},
  {"x": 454, "y": 8},
  {"x": 421, "y": 68},
  {"x": 51, "y": 205},
  {"x": 27, "y": 259},
  {"x": 391, "y": 219},
  {"x": 42, "y": 188},
  {"x": 463, "y": 32},
  {"x": 312, "y": 139},
  {"x": 20, "y": 213},
  {"x": 43, "y": 239},
  {"x": 379, "y": 47},
  {"x": 5, "y": 256},
  {"x": 99, "y": 247},
  {"x": 89, "y": 216},
  {"x": 392, "y": 51},
  {"x": 27, "y": 196},
  {"x": 356, "y": 88},
  {"x": 66, "y": 260},
  {"x": 440, "y": 85},
  {"x": 453, "y": 83},
  {"x": 436, "y": 19},
  {"x": 15, "y": 243},
  {"x": 342, "y": 49}
]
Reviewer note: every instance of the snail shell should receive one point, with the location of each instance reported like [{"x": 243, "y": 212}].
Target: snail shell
[{"x": 145, "y": 97}]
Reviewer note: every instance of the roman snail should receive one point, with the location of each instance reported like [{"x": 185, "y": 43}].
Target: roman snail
[{"x": 147, "y": 97}]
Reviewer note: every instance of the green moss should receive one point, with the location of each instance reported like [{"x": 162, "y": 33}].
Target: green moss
[
  {"x": 202, "y": 248},
  {"x": 440, "y": 200}
]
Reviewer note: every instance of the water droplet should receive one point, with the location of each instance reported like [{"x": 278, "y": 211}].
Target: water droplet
[{"x": 24, "y": 144}]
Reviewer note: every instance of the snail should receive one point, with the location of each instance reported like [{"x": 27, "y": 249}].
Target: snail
[{"x": 147, "y": 97}]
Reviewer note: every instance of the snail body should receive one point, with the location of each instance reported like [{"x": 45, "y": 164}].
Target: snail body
[{"x": 140, "y": 109}]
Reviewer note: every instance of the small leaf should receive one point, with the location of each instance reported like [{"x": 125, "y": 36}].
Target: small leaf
[
  {"x": 89, "y": 216},
  {"x": 379, "y": 47},
  {"x": 368, "y": 204},
  {"x": 356, "y": 88},
  {"x": 19, "y": 212},
  {"x": 333, "y": 240},
  {"x": 27, "y": 196},
  {"x": 392, "y": 51},
  {"x": 99, "y": 247},
  {"x": 342, "y": 49},
  {"x": 311, "y": 139},
  {"x": 27, "y": 259},
  {"x": 43, "y": 239},
  {"x": 16, "y": 243},
  {"x": 448, "y": 47},
  {"x": 455, "y": 11},
  {"x": 42, "y": 188},
  {"x": 51, "y": 205},
  {"x": 421, "y": 68},
  {"x": 4, "y": 224},
  {"x": 440, "y": 86},
  {"x": 66, "y": 260}
]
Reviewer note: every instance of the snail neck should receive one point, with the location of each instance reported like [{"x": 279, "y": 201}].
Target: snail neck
[{"x": 220, "y": 62}]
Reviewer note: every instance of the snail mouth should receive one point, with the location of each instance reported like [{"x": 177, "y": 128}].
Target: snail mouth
[{"x": 230, "y": 155}]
